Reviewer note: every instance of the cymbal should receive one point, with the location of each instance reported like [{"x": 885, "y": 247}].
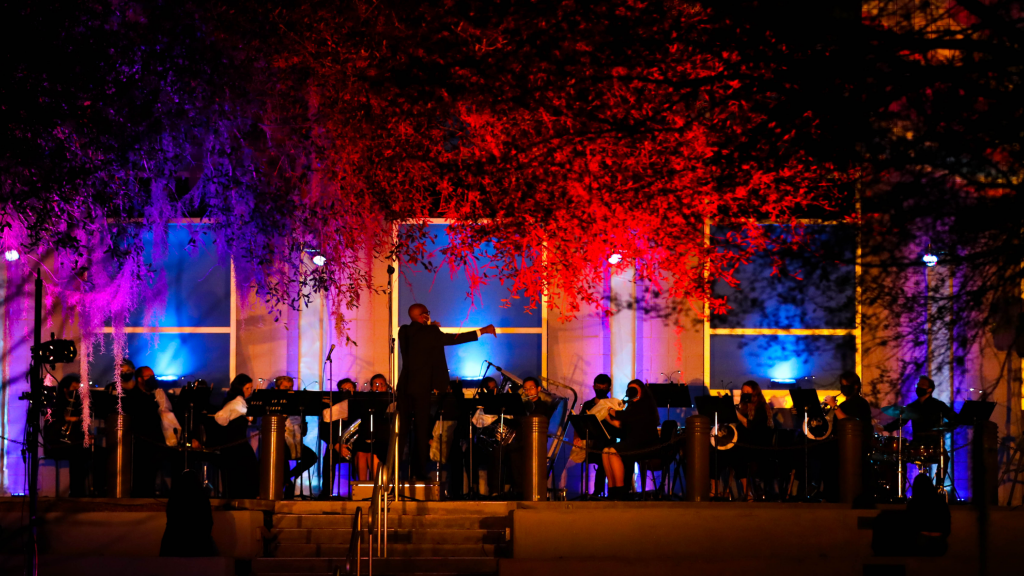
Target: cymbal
[{"x": 895, "y": 411}]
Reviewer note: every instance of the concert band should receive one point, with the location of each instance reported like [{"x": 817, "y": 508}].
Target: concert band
[{"x": 756, "y": 455}]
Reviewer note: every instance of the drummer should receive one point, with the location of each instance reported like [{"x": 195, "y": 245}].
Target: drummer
[{"x": 927, "y": 415}]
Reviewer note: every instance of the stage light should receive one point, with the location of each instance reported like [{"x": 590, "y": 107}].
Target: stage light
[
  {"x": 167, "y": 377},
  {"x": 615, "y": 258},
  {"x": 12, "y": 255},
  {"x": 930, "y": 260},
  {"x": 319, "y": 260}
]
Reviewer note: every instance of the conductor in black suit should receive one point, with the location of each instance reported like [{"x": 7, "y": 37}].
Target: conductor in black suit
[{"x": 424, "y": 370}]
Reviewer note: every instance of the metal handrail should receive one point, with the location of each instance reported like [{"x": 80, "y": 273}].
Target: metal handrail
[
  {"x": 384, "y": 481},
  {"x": 355, "y": 545}
]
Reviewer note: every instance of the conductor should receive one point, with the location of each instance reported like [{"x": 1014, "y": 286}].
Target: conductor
[{"x": 424, "y": 370}]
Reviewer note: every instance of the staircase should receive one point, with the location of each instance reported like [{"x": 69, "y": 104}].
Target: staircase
[{"x": 435, "y": 538}]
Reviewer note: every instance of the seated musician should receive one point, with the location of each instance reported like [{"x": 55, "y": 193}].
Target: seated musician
[
  {"x": 602, "y": 388},
  {"x": 294, "y": 432},
  {"x": 927, "y": 415},
  {"x": 638, "y": 431},
  {"x": 334, "y": 422},
  {"x": 64, "y": 438},
  {"x": 755, "y": 416},
  {"x": 488, "y": 387},
  {"x": 537, "y": 400},
  {"x": 239, "y": 467},
  {"x": 368, "y": 457}
]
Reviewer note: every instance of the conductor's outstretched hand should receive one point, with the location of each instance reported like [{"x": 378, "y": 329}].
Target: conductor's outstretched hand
[{"x": 489, "y": 329}]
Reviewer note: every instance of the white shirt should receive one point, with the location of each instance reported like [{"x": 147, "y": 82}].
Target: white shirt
[
  {"x": 233, "y": 409},
  {"x": 168, "y": 421}
]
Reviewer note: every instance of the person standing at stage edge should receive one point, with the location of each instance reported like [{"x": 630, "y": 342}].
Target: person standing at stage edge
[{"x": 424, "y": 370}]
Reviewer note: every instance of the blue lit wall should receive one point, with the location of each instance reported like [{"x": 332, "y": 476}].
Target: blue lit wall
[{"x": 736, "y": 359}]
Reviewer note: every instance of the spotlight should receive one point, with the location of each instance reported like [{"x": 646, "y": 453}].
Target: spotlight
[
  {"x": 930, "y": 260},
  {"x": 12, "y": 255},
  {"x": 319, "y": 260},
  {"x": 55, "y": 351},
  {"x": 615, "y": 258}
]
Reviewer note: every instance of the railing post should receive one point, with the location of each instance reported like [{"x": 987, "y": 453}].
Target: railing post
[
  {"x": 849, "y": 433},
  {"x": 698, "y": 458}
]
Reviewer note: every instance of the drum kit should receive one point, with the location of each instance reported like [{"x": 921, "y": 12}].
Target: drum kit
[{"x": 891, "y": 454}]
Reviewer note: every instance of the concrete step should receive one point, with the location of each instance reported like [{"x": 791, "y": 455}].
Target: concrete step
[
  {"x": 403, "y": 521},
  {"x": 401, "y": 507},
  {"x": 397, "y": 536},
  {"x": 440, "y": 551},
  {"x": 381, "y": 566}
]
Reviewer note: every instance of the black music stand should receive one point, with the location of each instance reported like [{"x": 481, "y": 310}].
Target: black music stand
[
  {"x": 671, "y": 396},
  {"x": 284, "y": 403},
  {"x": 195, "y": 405},
  {"x": 807, "y": 403},
  {"x": 975, "y": 412},
  {"x": 503, "y": 405},
  {"x": 369, "y": 407},
  {"x": 587, "y": 426}
]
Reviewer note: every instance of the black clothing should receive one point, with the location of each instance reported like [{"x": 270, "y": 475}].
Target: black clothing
[
  {"x": 748, "y": 460},
  {"x": 638, "y": 425},
  {"x": 857, "y": 407},
  {"x": 930, "y": 414},
  {"x": 147, "y": 439},
  {"x": 597, "y": 444},
  {"x": 64, "y": 439},
  {"x": 307, "y": 459},
  {"x": 189, "y": 531},
  {"x": 239, "y": 467},
  {"x": 424, "y": 370}
]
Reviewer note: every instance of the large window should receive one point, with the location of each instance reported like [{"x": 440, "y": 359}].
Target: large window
[
  {"x": 793, "y": 320},
  {"x": 520, "y": 346},
  {"x": 189, "y": 331}
]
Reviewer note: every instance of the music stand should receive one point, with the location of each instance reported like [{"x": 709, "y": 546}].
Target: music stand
[
  {"x": 283, "y": 402},
  {"x": 670, "y": 395},
  {"x": 369, "y": 407},
  {"x": 586, "y": 426},
  {"x": 502, "y": 405},
  {"x": 974, "y": 412},
  {"x": 806, "y": 401}
]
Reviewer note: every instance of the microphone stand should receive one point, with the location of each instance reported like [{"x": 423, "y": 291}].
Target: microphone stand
[{"x": 330, "y": 423}]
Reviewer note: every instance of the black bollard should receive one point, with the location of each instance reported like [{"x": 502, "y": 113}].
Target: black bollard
[
  {"x": 985, "y": 463},
  {"x": 848, "y": 433},
  {"x": 698, "y": 458},
  {"x": 273, "y": 457},
  {"x": 534, "y": 475},
  {"x": 119, "y": 459}
]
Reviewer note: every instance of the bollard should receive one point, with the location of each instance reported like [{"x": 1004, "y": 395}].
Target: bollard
[
  {"x": 849, "y": 434},
  {"x": 273, "y": 457},
  {"x": 534, "y": 476},
  {"x": 698, "y": 458},
  {"x": 985, "y": 463},
  {"x": 119, "y": 460}
]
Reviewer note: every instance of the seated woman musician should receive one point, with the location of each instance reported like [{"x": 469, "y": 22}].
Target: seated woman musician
[
  {"x": 638, "y": 431},
  {"x": 239, "y": 467},
  {"x": 295, "y": 430},
  {"x": 334, "y": 421},
  {"x": 369, "y": 457},
  {"x": 755, "y": 416}
]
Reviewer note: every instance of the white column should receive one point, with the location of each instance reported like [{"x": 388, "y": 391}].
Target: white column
[{"x": 622, "y": 326}]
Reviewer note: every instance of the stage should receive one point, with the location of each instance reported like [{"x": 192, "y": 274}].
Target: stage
[{"x": 107, "y": 536}]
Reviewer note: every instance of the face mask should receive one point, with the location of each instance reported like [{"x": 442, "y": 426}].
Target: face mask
[
  {"x": 922, "y": 392},
  {"x": 126, "y": 377},
  {"x": 602, "y": 392},
  {"x": 746, "y": 397},
  {"x": 847, "y": 390},
  {"x": 632, "y": 393}
]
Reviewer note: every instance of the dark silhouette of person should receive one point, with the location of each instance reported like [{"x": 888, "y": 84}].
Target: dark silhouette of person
[
  {"x": 189, "y": 530},
  {"x": 424, "y": 370}
]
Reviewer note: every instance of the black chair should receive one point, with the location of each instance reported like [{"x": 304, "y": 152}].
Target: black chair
[{"x": 663, "y": 458}]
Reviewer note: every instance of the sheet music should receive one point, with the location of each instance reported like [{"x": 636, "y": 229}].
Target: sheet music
[
  {"x": 602, "y": 407},
  {"x": 337, "y": 412}
]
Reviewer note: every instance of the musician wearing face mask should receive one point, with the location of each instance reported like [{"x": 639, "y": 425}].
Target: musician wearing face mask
[
  {"x": 638, "y": 431},
  {"x": 63, "y": 434},
  {"x": 602, "y": 389},
  {"x": 927, "y": 414},
  {"x": 755, "y": 416}
]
